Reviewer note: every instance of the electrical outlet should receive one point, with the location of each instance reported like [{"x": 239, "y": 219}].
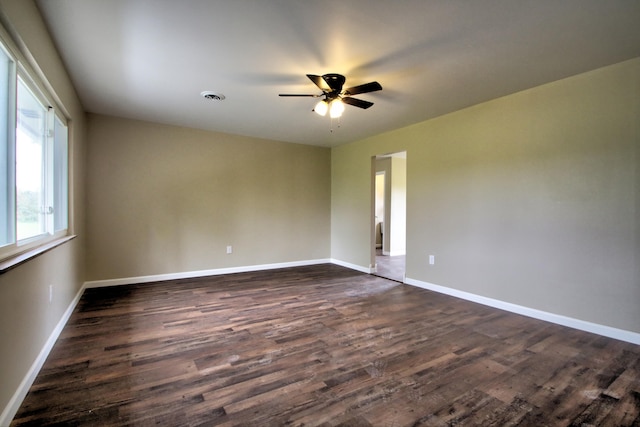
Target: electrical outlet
[
  {"x": 229, "y": 249},
  {"x": 432, "y": 259}
]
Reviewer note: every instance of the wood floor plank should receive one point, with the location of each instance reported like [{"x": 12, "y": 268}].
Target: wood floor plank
[{"x": 322, "y": 346}]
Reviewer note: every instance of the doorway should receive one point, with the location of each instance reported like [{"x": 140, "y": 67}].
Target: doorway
[{"x": 389, "y": 215}]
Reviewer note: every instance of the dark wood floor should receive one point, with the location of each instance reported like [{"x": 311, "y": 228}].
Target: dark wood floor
[{"x": 322, "y": 346}]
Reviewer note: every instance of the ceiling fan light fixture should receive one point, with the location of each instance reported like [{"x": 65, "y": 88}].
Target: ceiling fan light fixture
[
  {"x": 321, "y": 108},
  {"x": 337, "y": 108},
  {"x": 332, "y": 100}
]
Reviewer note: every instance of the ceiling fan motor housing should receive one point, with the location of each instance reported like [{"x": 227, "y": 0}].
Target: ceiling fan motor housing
[
  {"x": 335, "y": 92},
  {"x": 335, "y": 82}
]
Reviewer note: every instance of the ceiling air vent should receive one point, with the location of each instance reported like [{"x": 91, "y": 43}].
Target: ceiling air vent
[{"x": 212, "y": 96}]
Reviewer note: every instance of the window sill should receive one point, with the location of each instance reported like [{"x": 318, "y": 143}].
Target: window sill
[{"x": 16, "y": 260}]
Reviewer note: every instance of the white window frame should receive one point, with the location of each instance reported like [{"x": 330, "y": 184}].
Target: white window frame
[{"x": 19, "y": 70}]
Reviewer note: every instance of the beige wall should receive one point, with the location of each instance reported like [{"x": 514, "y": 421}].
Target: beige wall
[
  {"x": 27, "y": 319},
  {"x": 531, "y": 199},
  {"x": 165, "y": 199}
]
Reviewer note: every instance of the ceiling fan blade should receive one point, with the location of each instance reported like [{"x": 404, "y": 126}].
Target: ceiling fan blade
[
  {"x": 318, "y": 81},
  {"x": 365, "y": 88},
  {"x": 299, "y": 94},
  {"x": 335, "y": 81},
  {"x": 357, "y": 102}
]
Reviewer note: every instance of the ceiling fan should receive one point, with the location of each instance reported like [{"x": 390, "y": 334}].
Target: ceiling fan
[{"x": 334, "y": 96}]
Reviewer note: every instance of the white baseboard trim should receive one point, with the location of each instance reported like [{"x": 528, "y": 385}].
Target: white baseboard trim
[
  {"x": 607, "y": 331},
  {"x": 16, "y": 400},
  {"x": 356, "y": 267},
  {"x": 200, "y": 273}
]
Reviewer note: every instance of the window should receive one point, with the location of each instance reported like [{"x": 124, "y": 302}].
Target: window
[
  {"x": 31, "y": 149},
  {"x": 33, "y": 163},
  {"x": 7, "y": 170}
]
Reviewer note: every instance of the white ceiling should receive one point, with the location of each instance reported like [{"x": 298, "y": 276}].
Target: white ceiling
[{"x": 151, "y": 59}]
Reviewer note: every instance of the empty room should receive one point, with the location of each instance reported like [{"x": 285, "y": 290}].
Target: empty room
[{"x": 337, "y": 213}]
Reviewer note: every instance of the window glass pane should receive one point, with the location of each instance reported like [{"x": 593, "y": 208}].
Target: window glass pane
[
  {"x": 30, "y": 150},
  {"x": 7, "y": 199},
  {"x": 60, "y": 176}
]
